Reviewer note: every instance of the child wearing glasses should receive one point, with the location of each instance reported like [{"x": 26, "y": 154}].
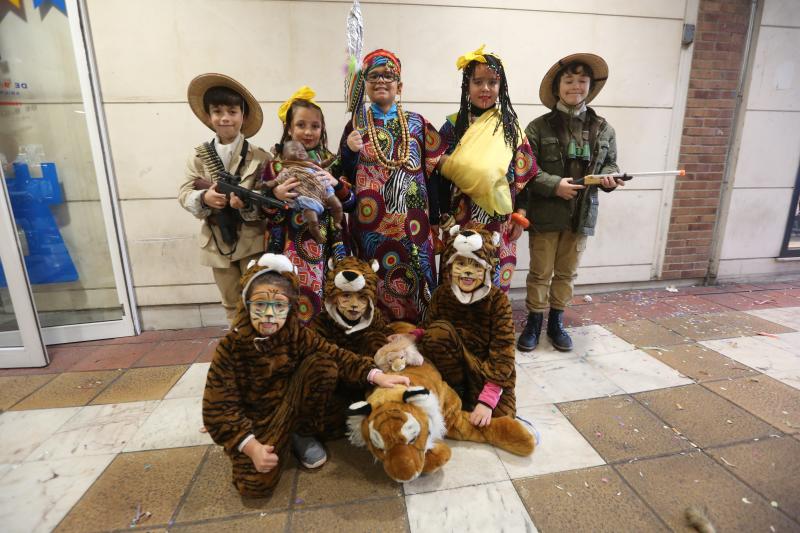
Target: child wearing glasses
[{"x": 271, "y": 381}]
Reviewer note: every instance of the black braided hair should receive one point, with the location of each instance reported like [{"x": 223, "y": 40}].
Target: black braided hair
[{"x": 508, "y": 117}]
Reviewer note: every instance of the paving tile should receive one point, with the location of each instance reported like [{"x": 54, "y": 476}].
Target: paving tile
[
  {"x": 350, "y": 474},
  {"x": 247, "y": 524},
  {"x": 672, "y": 484},
  {"x": 690, "y": 304},
  {"x": 460, "y": 471},
  {"x": 114, "y": 356},
  {"x": 774, "y": 298},
  {"x": 637, "y": 371},
  {"x": 154, "y": 481},
  {"x": 759, "y": 353},
  {"x": 174, "y": 424},
  {"x": 586, "y": 340},
  {"x": 737, "y": 301},
  {"x": 95, "y": 430},
  {"x": 766, "y": 398},
  {"x": 562, "y": 381},
  {"x": 747, "y": 324},
  {"x": 789, "y": 342},
  {"x": 644, "y": 333},
  {"x": 15, "y": 388},
  {"x": 604, "y": 313},
  {"x": 207, "y": 353},
  {"x": 699, "y": 327},
  {"x": 489, "y": 507},
  {"x": 591, "y": 499},
  {"x": 192, "y": 383},
  {"x": 68, "y": 390},
  {"x": 21, "y": 432},
  {"x": 787, "y": 316},
  {"x": 212, "y": 494},
  {"x": 177, "y": 352},
  {"x": 61, "y": 359},
  {"x": 770, "y": 466},
  {"x": 388, "y": 515},
  {"x": 620, "y": 428},
  {"x": 654, "y": 309},
  {"x": 561, "y": 447},
  {"x": 36, "y": 496},
  {"x": 141, "y": 384},
  {"x": 700, "y": 363},
  {"x": 703, "y": 417}
]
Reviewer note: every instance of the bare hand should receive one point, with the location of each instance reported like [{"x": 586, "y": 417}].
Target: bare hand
[
  {"x": 447, "y": 222},
  {"x": 612, "y": 183},
  {"x": 481, "y": 416},
  {"x": 515, "y": 232},
  {"x": 236, "y": 202},
  {"x": 354, "y": 141},
  {"x": 285, "y": 191},
  {"x": 568, "y": 190},
  {"x": 388, "y": 381},
  {"x": 214, "y": 199},
  {"x": 327, "y": 179},
  {"x": 262, "y": 455}
]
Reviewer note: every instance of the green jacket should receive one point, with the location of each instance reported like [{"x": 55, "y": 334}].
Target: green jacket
[{"x": 545, "y": 210}]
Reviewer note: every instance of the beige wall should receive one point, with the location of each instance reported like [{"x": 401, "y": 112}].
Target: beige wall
[{"x": 766, "y": 164}]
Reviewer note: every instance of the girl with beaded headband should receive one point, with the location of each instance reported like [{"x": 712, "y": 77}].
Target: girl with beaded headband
[
  {"x": 287, "y": 233},
  {"x": 391, "y": 221},
  {"x": 488, "y": 160}
]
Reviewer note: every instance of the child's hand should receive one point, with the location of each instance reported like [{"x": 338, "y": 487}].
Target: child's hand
[
  {"x": 388, "y": 381},
  {"x": 568, "y": 190},
  {"x": 611, "y": 183},
  {"x": 481, "y": 416},
  {"x": 354, "y": 141},
  {"x": 327, "y": 179},
  {"x": 236, "y": 202},
  {"x": 284, "y": 191},
  {"x": 214, "y": 199},
  {"x": 262, "y": 455}
]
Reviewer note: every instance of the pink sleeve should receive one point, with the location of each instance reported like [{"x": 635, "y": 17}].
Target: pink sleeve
[{"x": 490, "y": 394}]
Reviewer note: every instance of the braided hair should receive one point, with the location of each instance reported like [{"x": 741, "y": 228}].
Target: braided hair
[{"x": 508, "y": 117}]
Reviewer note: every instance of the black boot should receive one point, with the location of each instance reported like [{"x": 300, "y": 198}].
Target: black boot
[
  {"x": 555, "y": 330},
  {"x": 529, "y": 337}
]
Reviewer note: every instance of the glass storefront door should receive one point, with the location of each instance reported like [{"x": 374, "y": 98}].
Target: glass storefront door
[{"x": 54, "y": 162}]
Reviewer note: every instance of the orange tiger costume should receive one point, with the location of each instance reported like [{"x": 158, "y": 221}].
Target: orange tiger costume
[{"x": 270, "y": 387}]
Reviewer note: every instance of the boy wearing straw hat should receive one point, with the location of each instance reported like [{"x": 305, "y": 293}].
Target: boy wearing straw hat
[
  {"x": 569, "y": 142},
  {"x": 230, "y": 235}
]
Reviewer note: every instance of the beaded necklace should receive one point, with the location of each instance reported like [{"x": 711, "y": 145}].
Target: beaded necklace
[{"x": 403, "y": 151}]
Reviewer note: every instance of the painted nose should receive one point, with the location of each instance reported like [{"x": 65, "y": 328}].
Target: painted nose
[{"x": 349, "y": 275}]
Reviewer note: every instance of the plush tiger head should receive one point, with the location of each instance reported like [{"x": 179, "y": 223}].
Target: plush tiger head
[
  {"x": 269, "y": 290},
  {"x": 350, "y": 292},
  {"x": 471, "y": 257},
  {"x": 398, "y": 426}
]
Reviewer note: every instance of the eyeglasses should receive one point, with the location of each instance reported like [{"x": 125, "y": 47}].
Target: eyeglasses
[
  {"x": 260, "y": 307},
  {"x": 374, "y": 77}
]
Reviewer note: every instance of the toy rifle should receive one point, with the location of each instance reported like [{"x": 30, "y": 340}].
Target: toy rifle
[
  {"x": 597, "y": 179},
  {"x": 228, "y": 184}
]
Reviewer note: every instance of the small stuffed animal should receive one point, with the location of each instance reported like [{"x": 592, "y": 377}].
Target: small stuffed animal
[{"x": 397, "y": 354}]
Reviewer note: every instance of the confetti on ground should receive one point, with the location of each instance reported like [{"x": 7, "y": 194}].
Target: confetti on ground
[
  {"x": 765, "y": 334},
  {"x": 745, "y": 500},
  {"x": 729, "y": 421},
  {"x": 726, "y": 462},
  {"x": 774, "y": 504},
  {"x": 587, "y": 299},
  {"x": 585, "y": 484},
  {"x": 671, "y": 288},
  {"x": 140, "y": 516},
  {"x": 604, "y": 479},
  {"x": 559, "y": 487},
  {"x": 299, "y": 500},
  {"x": 679, "y": 406}
]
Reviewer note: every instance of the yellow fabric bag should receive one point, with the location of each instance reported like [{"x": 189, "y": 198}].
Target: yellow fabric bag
[{"x": 479, "y": 164}]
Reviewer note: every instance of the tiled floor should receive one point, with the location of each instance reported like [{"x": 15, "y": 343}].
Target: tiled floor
[{"x": 669, "y": 400}]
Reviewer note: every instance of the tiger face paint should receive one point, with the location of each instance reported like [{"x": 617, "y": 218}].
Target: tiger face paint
[
  {"x": 467, "y": 274},
  {"x": 268, "y": 306},
  {"x": 352, "y": 305}
]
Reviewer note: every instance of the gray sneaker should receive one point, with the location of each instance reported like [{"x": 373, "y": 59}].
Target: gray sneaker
[{"x": 309, "y": 451}]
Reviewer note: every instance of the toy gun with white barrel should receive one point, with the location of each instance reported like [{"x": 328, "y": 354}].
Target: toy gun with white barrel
[{"x": 597, "y": 179}]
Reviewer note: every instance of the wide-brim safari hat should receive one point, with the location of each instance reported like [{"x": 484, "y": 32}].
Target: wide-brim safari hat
[
  {"x": 595, "y": 62},
  {"x": 204, "y": 82}
]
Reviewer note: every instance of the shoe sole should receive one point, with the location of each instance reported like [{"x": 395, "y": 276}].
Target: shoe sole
[
  {"x": 312, "y": 466},
  {"x": 523, "y": 348},
  {"x": 559, "y": 347}
]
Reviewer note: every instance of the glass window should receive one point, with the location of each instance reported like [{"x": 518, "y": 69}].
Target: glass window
[{"x": 791, "y": 241}]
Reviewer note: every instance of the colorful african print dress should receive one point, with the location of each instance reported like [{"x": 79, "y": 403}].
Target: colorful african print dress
[
  {"x": 468, "y": 214},
  {"x": 390, "y": 222},
  {"x": 288, "y": 234}
]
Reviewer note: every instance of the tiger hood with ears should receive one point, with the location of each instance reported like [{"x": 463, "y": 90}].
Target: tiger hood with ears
[
  {"x": 351, "y": 274},
  {"x": 476, "y": 244},
  {"x": 404, "y": 427}
]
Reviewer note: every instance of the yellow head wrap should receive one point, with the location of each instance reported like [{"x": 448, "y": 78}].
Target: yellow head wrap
[
  {"x": 466, "y": 59},
  {"x": 303, "y": 93}
]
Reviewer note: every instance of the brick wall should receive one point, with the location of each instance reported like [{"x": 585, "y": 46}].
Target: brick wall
[{"x": 708, "y": 125}]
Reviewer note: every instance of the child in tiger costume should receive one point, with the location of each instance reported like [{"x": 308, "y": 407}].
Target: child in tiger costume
[
  {"x": 468, "y": 332},
  {"x": 271, "y": 377}
]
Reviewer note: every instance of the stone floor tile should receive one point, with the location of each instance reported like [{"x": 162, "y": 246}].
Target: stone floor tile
[
  {"x": 212, "y": 495},
  {"x": 386, "y": 516},
  {"x": 460, "y": 471},
  {"x": 637, "y": 371},
  {"x": 480, "y": 508},
  {"x": 703, "y": 417},
  {"x": 68, "y": 390},
  {"x": 35, "y": 496},
  {"x": 786, "y": 316},
  {"x": 174, "y": 352},
  {"x": 561, "y": 447},
  {"x": 192, "y": 383},
  {"x": 737, "y": 301},
  {"x": 690, "y": 304},
  {"x": 699, "y": 327},
  {"x": 587, "y": 341},
  {"x": 207, "y": 353},
  {"x": 606, "y": 313},
  {"x": 246, "y": 524},
  {"x": 174, "y": 424},
  {"x": 114, "y": 356},
  {"x": 669, "y": 485},
  {"x": 21, "y": 432},
  {"x": 153, "y": 481},
  {"x": 564, "y": 381},
  {"x": 141, "y": 384},
  {"x": 746, "y": 324},
  {"x": 775, "y": 298},
  {"x": 95, "y": 430},
  {"x": 767, "y": 398},
  {"x": 61, "y": 359},
  {"x": 590, "y": 499},
  {"x": 770, "y": 466},
  {"x": 644, "y": 333},
  {"x": 759, "y": 353},
  {"x": 791, "y": 378},
  {"x": 789, "y": 342},
  {"x": 620, "y": 429},
  {"x": 350, "y": 474},
  {"x": 15, "y": 388},
  {"x": 654, "y": 309},
  {"x": 700, "y": 363}
]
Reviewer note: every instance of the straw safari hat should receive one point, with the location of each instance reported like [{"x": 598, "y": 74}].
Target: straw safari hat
[
  {"x": 204, "y": 82},
  {"x": 596, "y": 63}
]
